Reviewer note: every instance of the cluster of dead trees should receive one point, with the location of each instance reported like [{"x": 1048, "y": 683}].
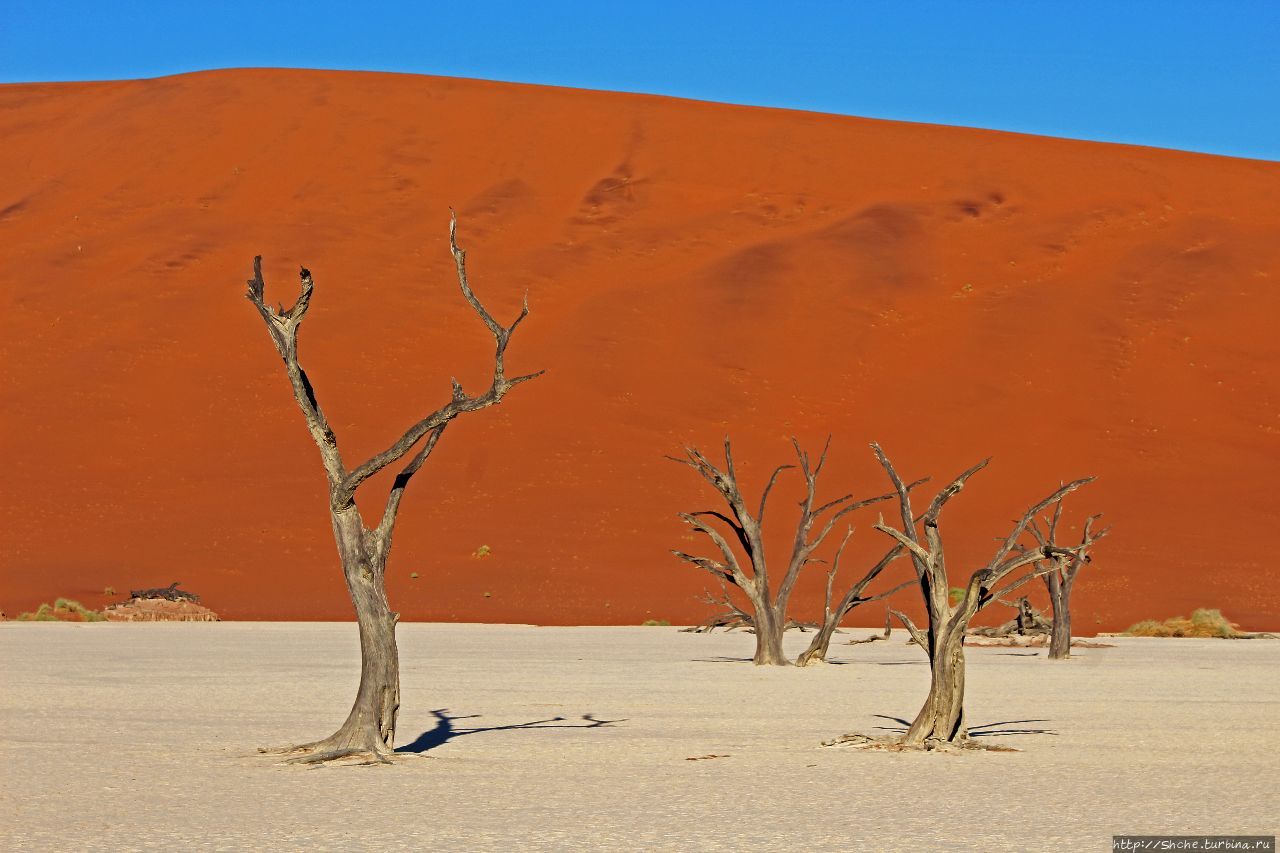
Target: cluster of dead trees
[
  {"x": 363, "y": 548},
  {"x": 1031, "y": 550}
]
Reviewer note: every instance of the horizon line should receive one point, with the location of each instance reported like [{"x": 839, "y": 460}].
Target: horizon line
[{"x": 636, "y": 93}]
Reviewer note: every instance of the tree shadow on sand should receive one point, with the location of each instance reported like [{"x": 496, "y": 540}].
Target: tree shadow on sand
[
  {"x": 445, "y": 730},
  {"x": 720, "y": 659},
  {"x": 980, "y": 730}
]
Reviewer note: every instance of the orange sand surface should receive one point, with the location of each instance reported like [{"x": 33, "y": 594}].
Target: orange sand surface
[{"x": 694, "y": 270}]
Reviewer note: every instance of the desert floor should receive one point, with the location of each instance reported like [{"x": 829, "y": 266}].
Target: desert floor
[{"x": 144, "y": 736}]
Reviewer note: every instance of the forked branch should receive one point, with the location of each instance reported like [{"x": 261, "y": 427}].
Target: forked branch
[{"x": 283, "y": 325}]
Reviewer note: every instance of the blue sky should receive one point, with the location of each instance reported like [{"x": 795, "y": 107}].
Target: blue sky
[{"x": 1200, "y": 76}]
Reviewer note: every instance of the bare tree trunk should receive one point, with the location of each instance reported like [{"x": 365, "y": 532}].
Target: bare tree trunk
[
  {"x": 942, "y": 717},
  {"x": 818, "y": 646},
  {"x": 1060, "y": 636},
  {"x": 370, "y": 727},
  {"x": 770, "y": 626}
]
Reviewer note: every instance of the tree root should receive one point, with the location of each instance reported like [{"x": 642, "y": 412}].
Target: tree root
[
  {"x": 370, "y": 756},
  {"x": 896, "y": 743},
  {"x": 324, "y": 751}
]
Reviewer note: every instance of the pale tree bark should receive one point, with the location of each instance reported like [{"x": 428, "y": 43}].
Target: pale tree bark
[
  {"x": 369, "y": 731},
  {"x": 940, "y": 722},
  {"x": 1060, "y": 569},
  {"x": 768, "y": 605}
]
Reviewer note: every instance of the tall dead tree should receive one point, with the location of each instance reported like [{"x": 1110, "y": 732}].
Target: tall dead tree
[
  {"x": 1060, "y": 570},
  {"x": 369, "y": 730},
  {"x": 768, "y": 606},
  {"x": 940, "y": 722}
]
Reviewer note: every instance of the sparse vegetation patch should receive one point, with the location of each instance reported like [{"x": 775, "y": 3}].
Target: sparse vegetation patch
[
  {"x": 1204, "y": 622},
  {"x": 62, "y": 610}
]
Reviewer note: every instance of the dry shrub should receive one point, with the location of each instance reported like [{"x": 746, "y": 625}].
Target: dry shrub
[
  {"x": 1203, "y": 623},
  {"x": 60, "y": 609}
]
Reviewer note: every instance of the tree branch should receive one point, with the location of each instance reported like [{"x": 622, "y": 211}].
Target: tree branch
[
  {"x": 881, "y": 595},
  {"x": 997, "y": 568},
  {"x": 1081, "y": 551},
  {"x": 854, "y": 507},
  {"x": 401, "y": 481},
  {"x": 831, "y": 574},
  {"x": 904, "y": 540},
  {"x": 1011, "y": 586},
  {"x": 768, "y": 488},
  {"x": 460, "y": 402},
  {"x": 931, "y": 562},
  {"x": 282, "y": 326},
  {"x": 710, "y": 565},
  {"x": 733, "y": 525},
  {"x": 731, "y": 559},
  {"x": 916, "y": 636}
]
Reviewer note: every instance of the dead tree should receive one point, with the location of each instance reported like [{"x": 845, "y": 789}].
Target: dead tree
[
  {"x": 940, "y": 722},
  {"x": 832, "y": 616},
  {"x": 369, "y": 730},
  {"x": 170, "y": 593},
  {"x": 1026, "y": 622},
  {"x": 768, "y": 614},
  {"x": 1060, "y": 570}
]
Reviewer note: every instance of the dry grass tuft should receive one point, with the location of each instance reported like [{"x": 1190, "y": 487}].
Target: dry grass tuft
[
  {"x": 59, "y": 611},
  {"x": 1203, "y": 623}
]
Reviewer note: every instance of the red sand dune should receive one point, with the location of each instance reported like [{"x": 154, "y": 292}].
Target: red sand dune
[{"x": 694, "y": 270}]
